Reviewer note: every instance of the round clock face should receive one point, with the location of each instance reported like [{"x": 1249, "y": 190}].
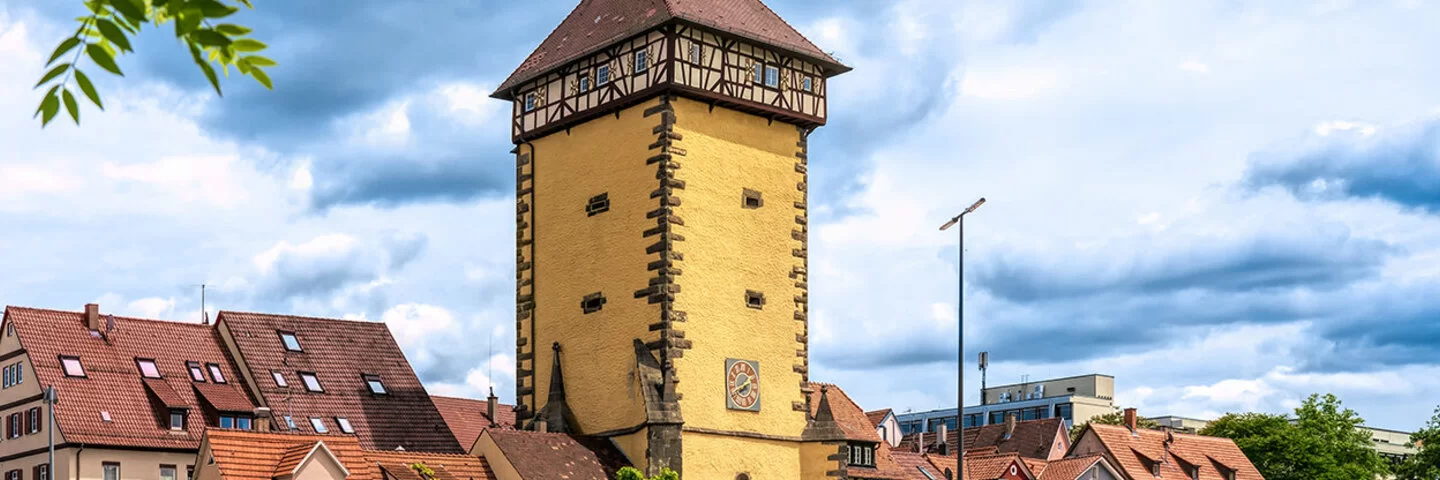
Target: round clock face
[{"x": 742, "y": 384}]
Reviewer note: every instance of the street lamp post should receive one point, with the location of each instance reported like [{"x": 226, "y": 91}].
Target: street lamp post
[{"x": 960, "y": 308}]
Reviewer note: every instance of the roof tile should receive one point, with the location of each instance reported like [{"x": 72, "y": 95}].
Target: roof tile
[
  {"x": 557, "y": 455},
  {"x": 467, "y": 417},
  {"x": 1132, "y": 454}
]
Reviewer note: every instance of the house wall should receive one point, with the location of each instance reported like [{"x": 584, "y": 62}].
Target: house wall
[
  {"x": 890, "y": 431},
  {"x": 320, "y": 466},
  {"x": 134, "y": 465},
  {"x": 486, "y": 448},
  {"x": 725, "y": 457}
]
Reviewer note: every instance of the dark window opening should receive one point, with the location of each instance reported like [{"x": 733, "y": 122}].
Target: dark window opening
[
  {"x": 593, "y": 302},
  {"x": 752, "y": 199},
  {"x": 754, "y": 299},
  {"x": 598, "y": 204},
  {"x": 862, "y": 455}
]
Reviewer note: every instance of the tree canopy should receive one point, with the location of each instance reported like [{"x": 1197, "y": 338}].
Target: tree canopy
[
  {"x": 108, "y": 30},
  {"x": 1323, "y": 442},
  {"x": 1426, "y": 464}
]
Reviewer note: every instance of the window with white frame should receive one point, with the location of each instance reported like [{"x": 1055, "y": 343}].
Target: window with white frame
[
  {"x": 177, "y": 419},
  {"x": 279, "y": 379},
  {"x": 312, "y": 383},
  {"x": 112, "y": 471},
  {"x": 862, "y": 455},
  {"x": 584, "y": 82},
  {"x": 772, "y": 76},
  {"x": 318, "y": 425},
  {"x": 167, "y": 472},
  {"x": 33, "y": 418},
  {"x": 807, "y": 84},
  {"x": 529, "y": 102},
  {"x": 696, "y": 53},
  {"x": 602, "y": 75},
  {"x": 42, "y": 472},
  {"x": 641, "y": 61},
  {"x": 344, "y": 425},
  {"x": 8, "y": 378}
]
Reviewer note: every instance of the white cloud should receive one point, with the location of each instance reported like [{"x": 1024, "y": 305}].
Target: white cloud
[
  {"x": 1326, "y": 128},
  {"x": 412, "y": 324},
  {"x": 1009, "y": 84},
  {"x": 1194, "y": 67}
]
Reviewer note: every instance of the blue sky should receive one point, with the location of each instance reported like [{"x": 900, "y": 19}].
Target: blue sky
[{"x": 1226, "y": 205}]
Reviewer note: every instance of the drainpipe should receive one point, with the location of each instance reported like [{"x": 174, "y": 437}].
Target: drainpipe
[{"x": 77, "y": 460}]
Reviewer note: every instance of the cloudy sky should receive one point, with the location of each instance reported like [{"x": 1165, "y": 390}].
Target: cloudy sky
[{"x": 1226, "y": 205}]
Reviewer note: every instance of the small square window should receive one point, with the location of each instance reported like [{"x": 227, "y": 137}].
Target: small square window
[
  {"x": 292, "y": 343},
  {"x": 754, "y": 299},
  {"x": 112, "y": 471},
  {"x": 584, "y": 82},
  {"x": 641, "y": 61},
  {"x": 196, "y": 373},
  {"x": 312, "y": 383},
  {"x": 751, "y": 199},
  {"x": 242, "y": 423},
  {"x": 289, "y": 422},
  {"x": 280, "y": 379},
  {"x": 318, "y": 425},
  {"x": 593, "y": 302},
  {"x": 377, "y": 387},
  {"x": 227, "y": 421},
  {"x": 177, "y": 419},
  {"x": 105, "y": 417},
  {"x": 148, "y": 368},
  {"x": 167, "y": 472},
  {"x": 772, "y": 76},
  {"x": 602, "y": 75},
  {"x": 529, "y": 102},
  {"x": 215, "y": 374},
  {"x": 598, "y": 204},
  {"x": 344, "y": 425},
  {"x": 72, "y": 366}
]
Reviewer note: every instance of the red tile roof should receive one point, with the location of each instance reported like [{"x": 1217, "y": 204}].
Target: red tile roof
[
  {"x": 856, "y": 427},
  {"x": 113, "y": 382},
  {"x": 537, "y": 455},
  {"x": 1176, "y": 454},
  {"x": 995, "y": 467},
  {"x": 595, "y": 24},
  {"x": 404, "y": 417},
  {"x": 467, "y": 417},
  {"x": 1043, "y": 439},
  {"x": 225, "y": 397},
  {"x": 244, "y": 455},
  {"x": 877, "y": 416},
  {"x": 1067, "y": 468},
  {"x": 912, "y": 464},
  {"x": 446, "y": 466}
]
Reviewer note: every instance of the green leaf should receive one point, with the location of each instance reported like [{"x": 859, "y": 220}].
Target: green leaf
[
  {"x": 105, "y": 44},
  {"x": 71, "y": 107},
  {"x": 210, "y": 74},
  {"x": 65, "y": 46},
  {"x": 258, "y": 61},
  {"x": 188, "y": 21},
  {"x": 246, "y": 3},
  {"x": 49, "y": 107},
  {"x": 209, "y": 38},
  {"x": 214, "y": 9},
  {"x": 87, "y": 88},
  {"x": 48, "y": 94},
  {"x": 134, "y": 10},
  {"x": 247, "y": 45},
  {"x": 231, "y": 29},
  {"x": 113, "y": 33},
  {"x": 261, "y": 77},
  {"x": 103, "y": 59},
  {"x": 54, "y": 72}
]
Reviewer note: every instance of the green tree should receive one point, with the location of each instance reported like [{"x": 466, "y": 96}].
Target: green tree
[
  {"x": 632, "y": 473},
  {"x": 1426, "y": 464},
  {"x": 1112, "y": 418},
  {"x": 1323, "y": 442},
  {"x": 112, "y": 24}
]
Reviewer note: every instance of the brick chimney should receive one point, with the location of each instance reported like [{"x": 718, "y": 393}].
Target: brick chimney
[
  {"x": 490, "y": 403},
  {"x": 920, "y": 443},
  {"x": 262, "y": 419},
  {"x": 92, "y": 316},
  {"x": 1131, "y": 420},
  {"x": 1010, "y": 425},
  {"x": 942, "y": 444}
]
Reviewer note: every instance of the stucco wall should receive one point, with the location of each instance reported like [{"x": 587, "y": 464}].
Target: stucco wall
[
  {"x": 723, "y": 457},
  {"x": 134, "y": 465}
]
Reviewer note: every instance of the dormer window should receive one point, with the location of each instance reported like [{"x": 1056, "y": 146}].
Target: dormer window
[
  {"x": 641, "y": 61},
  {"x": 312, "y": 383},
  {"x": 196, "y": 373},
  {"x": 72, "y": 366},
  {"x": 862, "y": 455},
  {"x": 148, "y": 368},
  {"x": 292, "y": 343},
  {"x": 602, "y": 75},
  {"x": 177, "y": 419},
  {"x": 377, "y": 387},
  {"x": 215, "y": 374}
]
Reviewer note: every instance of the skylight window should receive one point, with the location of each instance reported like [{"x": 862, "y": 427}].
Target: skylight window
[
  {"x": 292, "y": 343},
  {"x": 318, "y": 425},
  {"x": 196, "y": 373},
  {"x": 215, "y": 374},
  {"x": 376, "y": 386},
  {"x": 72, "y": 366},
  {"x": 345, "y": 425},
  {"x": 280, "y": 380},
  {"x": 290, "y": 422},
  {"x": 312, "y": 383},
  {"x": 148, "y": 368}
]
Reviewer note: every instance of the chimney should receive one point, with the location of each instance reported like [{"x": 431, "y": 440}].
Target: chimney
[
  {"x": 92, "y": 316},
  {"x": 920, "y": 444},
  {"x": 262, "y": 419},
  {"x": 540, "y": 426},
  {"x": 1130, "y": 420},
  {"x": 490, "y": 407},
  {"x": 1010, "y": 425},
  {"x": 941, "y": 444}
]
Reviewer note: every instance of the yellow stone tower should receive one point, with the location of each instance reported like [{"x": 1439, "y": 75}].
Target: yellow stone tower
[{"x": 661, "y": 235}]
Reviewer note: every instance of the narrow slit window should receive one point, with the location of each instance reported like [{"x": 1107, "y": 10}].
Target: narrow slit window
[
  {"x": 593, "y": 302},
  {"x": 602, "y": 75},
  {"x": 529, "y": 102},
  {"x": 318, "y": 425},
  {"x": 312, "y": 383},
  {"x": 148, "y": 368},
  {"x": 344, "y": 424},
  {"x": 642, "y": 61},
  {"x": 754, "y": 299},
  {"x": 757, "y": 73},
  {"x": 751, "y": 199},
  {"x": 584, "y": 82},
  {"x": 598, "y": 204},
  {"x": 695, "y": 54},
  {"x": 280, "y": 380},
  {"x": 807, "y": 84},
  {"x": 772, "y": 76},
  {"x": 215, "y": 374},
  {"x": 292, "y": 342},
  {"x": 73, "y": 367},
  {"x": 196, "y": 373},
  {"x": 377, "y": 387}
]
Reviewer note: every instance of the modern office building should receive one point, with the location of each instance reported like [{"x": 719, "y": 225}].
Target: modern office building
[{"x": 1074, "y": 399}]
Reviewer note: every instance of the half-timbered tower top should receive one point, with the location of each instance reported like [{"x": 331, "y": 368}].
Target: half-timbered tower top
[{"x": 612, "y": 53}]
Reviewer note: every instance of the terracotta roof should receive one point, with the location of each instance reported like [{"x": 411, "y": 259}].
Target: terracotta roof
[
  {"x": 995, "y": 467},
  {"x": 245, "y": 455},
  {"x": 446, "y": 466},
  {"x": 225, "y": 397},
  {"x": 943, "y": 463},
  {"x": 1031, "y": 439},
  {"x": 912, "y": 464},
  {"x": 595, "y": 24},
  {"x": 856, "y": 427},
  {"x": 162, "y": 392},
  {"x": 1133, "y": 454},
  {"x": 537, "y": 455},
  {"x": 113, "y": 382},
  {"x": 403, "y": 417},
  {"x": 1068, "y": 468},
  {"x": 877, "y": 416},
  {"x": 467, "y": 417},
  {"x": 293, "y": 455}
]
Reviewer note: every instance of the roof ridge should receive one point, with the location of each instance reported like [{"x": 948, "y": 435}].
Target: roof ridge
[
  {"x": 301, "y": 317},
  {"x": 117, "y": 317}
]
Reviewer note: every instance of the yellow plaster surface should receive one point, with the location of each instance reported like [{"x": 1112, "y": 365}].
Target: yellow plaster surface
[{"x": 723, "y": 457}]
